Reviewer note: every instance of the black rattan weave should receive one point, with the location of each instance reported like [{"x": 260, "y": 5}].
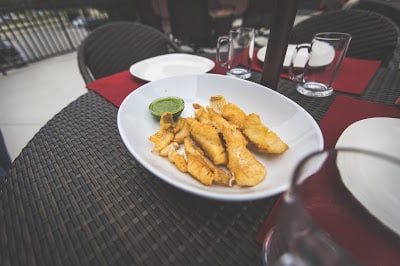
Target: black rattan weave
[
  {"x": 76, "y": 196},
  {"x": 374, "y": 36},
  {"x": 115, "y": 46},
  {"x": 388, "y": 8}
]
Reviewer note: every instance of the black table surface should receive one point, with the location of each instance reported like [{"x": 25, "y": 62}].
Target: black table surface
[{"x": 76, "y": 196}]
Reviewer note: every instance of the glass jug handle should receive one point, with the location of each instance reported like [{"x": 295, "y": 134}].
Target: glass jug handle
[
  {"x": 295, "y": 73},
  {"x": 221, "y": 40}
]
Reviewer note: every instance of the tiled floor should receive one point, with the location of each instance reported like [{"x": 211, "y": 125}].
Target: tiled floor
[{"x": 31, "y": 95}]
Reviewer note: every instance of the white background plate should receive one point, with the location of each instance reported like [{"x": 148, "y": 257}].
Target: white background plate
[
  {"x": 292, "y": 123},
  {"x": 169, "y": 65},
  {"x": 325, "y": 52},
  {"x": 374, "y": 183}
]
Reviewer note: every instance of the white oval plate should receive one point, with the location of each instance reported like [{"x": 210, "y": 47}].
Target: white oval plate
[
  {"x": 291, "y": 122},
  {"x": 374, "y": 183},
  {"x": 325, "y": 56},
  {"x": 169, "y": 65}
]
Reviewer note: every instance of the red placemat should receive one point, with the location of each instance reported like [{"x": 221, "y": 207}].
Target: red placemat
[
  {"x": 372, "y": 248},
  {"x": 353, "y": 77},
  {"x": 116, "y": 87}
]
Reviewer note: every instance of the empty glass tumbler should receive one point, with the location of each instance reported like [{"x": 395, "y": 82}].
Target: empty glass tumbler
[
  {"x": 325, "y": 56},
  {"x": 341, "y": 209},
  {"x": 239, "y": 48}
]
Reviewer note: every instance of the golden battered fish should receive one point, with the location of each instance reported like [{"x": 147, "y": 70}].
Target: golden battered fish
[
  {"x": 174, "y": 157},
  {"x": 191, "y": 148},
  {"x": 165, "y": 135},
  {"x": 234, "y": 115},
  {"x": 207, "y": 137},
  {"x": 181, "y": 130},
  {"x": 217, "y": 103},
  {"x": 246, "y": 169},
  {"x": 201, "y": 114},
  {"x": 261, "y": 138},
  {"x": 216, "y": 143},
  {"x": 220, "y": 123},
  {"x": 196, "y": 166},
  {"x": 178, "y": 160},
  {"x": 173, "y": 146},
  {"x": 201, "y": 168}
]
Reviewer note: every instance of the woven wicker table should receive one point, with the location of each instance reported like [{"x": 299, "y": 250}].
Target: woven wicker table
[{"x": 75, "y": 196}]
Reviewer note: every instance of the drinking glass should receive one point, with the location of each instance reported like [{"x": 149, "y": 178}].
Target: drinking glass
[
  {"x": 340, "y": 204},
  {"x": 240, "y": 52},
  {"x": 325, "y": 56}
]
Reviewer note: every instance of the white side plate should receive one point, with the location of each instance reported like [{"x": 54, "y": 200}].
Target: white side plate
[
  {"x": 291, "y": 122},
  {"x": 374, "y": 183},
  {"x": 169, "y": 65}
]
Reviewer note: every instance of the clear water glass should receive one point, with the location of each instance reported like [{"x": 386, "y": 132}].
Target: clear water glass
[{"x": 357, "y": 189}]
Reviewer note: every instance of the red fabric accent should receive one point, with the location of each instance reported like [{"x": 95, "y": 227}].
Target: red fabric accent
[
  {"x": 371, "y": 247},
  {"x": 354, "y": 75},
  {"x": 116, "y": 87}
]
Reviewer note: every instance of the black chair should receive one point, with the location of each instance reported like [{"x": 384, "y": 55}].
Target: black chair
[
  {"x": 374, "y": 36},
  {"x": 191, "y": 23},
  {"x": 115, "y": 46},
  {"x": 390, "y": 9},
  {"x": 258, "y": 14}
]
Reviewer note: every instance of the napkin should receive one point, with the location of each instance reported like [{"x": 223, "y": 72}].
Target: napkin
[
  {"x": 348, "y": 80},
  {"x": 372, "y": 248},
  {"x": 116, "y": 87}
]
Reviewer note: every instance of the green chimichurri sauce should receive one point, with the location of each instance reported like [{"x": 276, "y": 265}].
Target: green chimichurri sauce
[{"x": 171, "y": 104}]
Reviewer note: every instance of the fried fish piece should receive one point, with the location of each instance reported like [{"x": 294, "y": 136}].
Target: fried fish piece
[
  {"x": 191, "y": 148},
  {"x": 181, "y": 130},
  {"x": 173, "y": 146},
  {"x": 165, "y": 135},
  {"x": 218, "y": 136},
  {"x": 208, "y": 115},
  {"x": 222, "y": 177},
  {"x": 174, "y": 157},
  {"x": 261, "y": 138},
  {"x": 217, "y": 103},
  {"x": 234, "y": 115},
  {"x": 178, "y": 160},
  {"x": 201, "y": 168},
  {"x": 246, "y": 169},
  {"x": 207, "y": 137},
  {"x": 221, "y": 123},
  {"x": 202, "y": 115},
  {"x": 197, "y": 167}
]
